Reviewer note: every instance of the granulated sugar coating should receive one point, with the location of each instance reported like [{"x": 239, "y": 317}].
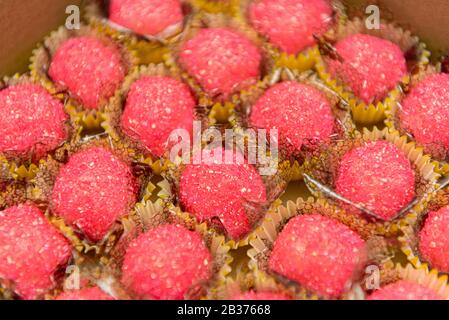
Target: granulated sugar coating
[
  {"x": 216, "y": 189},
  {"x": 165, "y": 262},
  {"x": 301, "y": 113},
  {"x": 221, "y": 61},
  {"x": 378, "y": 176},
  {"x": 425, "y": 110},
  {"x": 31, "y": 251},
  {"x": 156, "y": 106},
  {"x": 434, "y": 239},
  {"x": 319, "y": 253},
  {"x": 291, "y": 24},
  {"x": 93, "y": 293},
  {"x": 93, "y": 190},
  {"x": 371, "y": 66},
  {"x": 146, "y": 17},
  {"x": 89, "y": 69},
  {"x": 261, "y": 295},
  {"x": 404, "y": 290},
  {"x": 32, "y": 122}
]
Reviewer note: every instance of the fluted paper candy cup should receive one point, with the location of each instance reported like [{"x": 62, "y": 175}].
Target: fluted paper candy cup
[
  {"x": 89, "y": 191},
  {"x": 151, "y": 105},
  {"x": 305, "y": 112},
  {"x": 163, "y": 255},
  {"x": 291, "y": 27},
  {"x": 147, "y": 27},
  {"x": 219, "y": 58},
  {"x": 368, "y": 67},
  {"x": 35, "y": 124},
  {"x": 65, "y": 63},
  {"x": 314, "y": 272},
  {"x": 355, "y": 173}
]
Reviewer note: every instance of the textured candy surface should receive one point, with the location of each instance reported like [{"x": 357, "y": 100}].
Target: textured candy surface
[
  {"x": 261, "y": 295},
  {"x": 32, "y": 122},
  {"x": 146, "y": 17},
  {"x": 434, "y": 239},
  {"x": 378, "y": 176},
  {"x": 300, "y": 113},
  {"x": 89, "y": 69},
  {"x": 221, "y": 61},
  {"x": 425, "y": 110},
  {"x": 93, "y": 293},
  {"x": 404, "y": 290},
  {"x": 371, "y": 66},
  {"x": 31, "y": 251},
  {"x": 291, "y": 24},
  {"x": 156, "y": 106},
  {"x": 165, "y": 262},
  {"x": 93, "y": 190},
  {"x": 319, "y": 253},
  {"x": 215, "y": 189}
]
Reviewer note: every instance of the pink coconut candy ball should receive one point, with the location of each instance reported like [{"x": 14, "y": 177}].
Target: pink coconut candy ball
[
  {"x": 301, "y": 114},
  {"x": 319, "y": 253},
  {"x": 217, "y": 189},
  {"x": 90, "y": 70},
  {"x": 434, "y": 239},
  {"x": 425, "y": 110},
  {"x": 32, "y": 122},
  {"x": 371, "y": 67},
  {"x": 93, "y": 190},
  {"x": 93, "y": 293},
  {"x": 221, "y": 61},
  {"x": 291, "y": 24},
  {"x": 378, "y": 176},
  {"x": 404, "y": 290},
  {"x": 155, "y": 107},
  {"x": 165, "y": 262},
  {"x": 32, "y": 251},
  {"x": 146, "y": 17}
]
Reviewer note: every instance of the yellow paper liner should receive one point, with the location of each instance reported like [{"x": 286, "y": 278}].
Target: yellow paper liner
[
  {"x": 23, "y": 169},
  {"x": 113, "y": 112},
  {"x": 421, "y": 275},
  {"x": 89, "y": 119},
  {"x": 409, "y": 239},
  {"x": 393, "y": 123},
  {"x": 148, "y": 49},
  {"x": 40, "y": 188},
  {"x": 320, "y": 169},
  {"x": 372, "y": 113},
  {"x": 147, "y": 215},
  {"x": 344, "y": 126},
  {"x": 7, "y": 291},
  {"x": 218, "y": 109},
  {"x": 265, "y": 235},
  {"x": 304, "y": 60},
  {"x": 215, "y": 6},
  {"x": 275, "y": 185}
]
